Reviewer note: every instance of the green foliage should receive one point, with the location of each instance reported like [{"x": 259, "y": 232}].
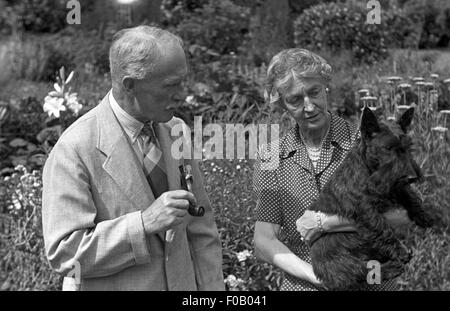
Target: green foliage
[
  {"x": 31, "y": 57},
  {"x": 226, "y": 93},
  {"x": 219, "y": 26},
  {"x": 432, "y": 20},
  {"x": 428, "y": 268},
  {"x": 33, "y": 15},
  {"x": 21, "y": 242},
  {"x": 234, "y": 209},
  {"x": 341, "y": 26},
  {"x": 38, "y": 58}
]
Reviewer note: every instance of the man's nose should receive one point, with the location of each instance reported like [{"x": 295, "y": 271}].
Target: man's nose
[{"x": 309, "y": 107}]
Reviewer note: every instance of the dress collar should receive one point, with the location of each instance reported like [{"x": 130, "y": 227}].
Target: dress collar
[{"x": 338, "y": 135}]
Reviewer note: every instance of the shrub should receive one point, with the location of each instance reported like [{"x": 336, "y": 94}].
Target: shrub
[
  {"x": 226, "y": 93},
  {"x": 216, "y": 25},
  {"x": 432, "y": 20},
  {"x": 23, "y": 264},
  {"x": 337, "y": 26},
  {"x": 39, "y": 57},
  {"x": 33, "y": 15}
]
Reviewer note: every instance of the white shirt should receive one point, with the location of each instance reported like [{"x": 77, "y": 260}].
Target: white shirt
[{"x": 132, "y": 128}]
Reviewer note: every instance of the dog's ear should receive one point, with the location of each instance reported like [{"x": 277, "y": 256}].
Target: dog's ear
[
  {"x": 369, "y": 123},
  {"x": 405, "y": 119}
]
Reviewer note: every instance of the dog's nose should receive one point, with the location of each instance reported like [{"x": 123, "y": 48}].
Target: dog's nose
[
  {"x": 412, "y": 179},
  {"x": 412, "y": 176}
]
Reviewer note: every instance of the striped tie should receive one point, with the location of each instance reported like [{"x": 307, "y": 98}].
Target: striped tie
[{"x": 154, "y": 167}]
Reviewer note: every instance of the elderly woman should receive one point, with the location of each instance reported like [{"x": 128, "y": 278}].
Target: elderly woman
[{"x": 308, "y": 155}]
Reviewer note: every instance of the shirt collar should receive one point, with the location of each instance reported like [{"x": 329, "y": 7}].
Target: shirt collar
[
  {"x": 338, "y": 135},
  {"x": 131, "y": 126}
]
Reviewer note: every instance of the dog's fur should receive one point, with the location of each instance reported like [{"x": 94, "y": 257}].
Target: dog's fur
[{"x": 374, "y": 178}]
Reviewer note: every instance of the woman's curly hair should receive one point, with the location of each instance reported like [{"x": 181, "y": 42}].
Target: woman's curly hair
[{"x": 293, "y": 63}]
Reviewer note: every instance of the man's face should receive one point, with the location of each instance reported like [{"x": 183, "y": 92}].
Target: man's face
[
  {"x": 306, "y": 102},
  {"x": 158, "y": 94}
]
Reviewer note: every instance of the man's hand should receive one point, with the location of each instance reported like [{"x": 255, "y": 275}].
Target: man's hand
[{"x": 168, "y": 210}]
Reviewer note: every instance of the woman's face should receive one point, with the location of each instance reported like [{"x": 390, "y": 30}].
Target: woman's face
[{"x": 306, "y": 102}]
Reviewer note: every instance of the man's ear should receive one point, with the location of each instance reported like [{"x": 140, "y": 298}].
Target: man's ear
[
  {"x": 406, "y": 119},
  {"x": 128, "y": 83},
  {"x": 369, "y": 123}
]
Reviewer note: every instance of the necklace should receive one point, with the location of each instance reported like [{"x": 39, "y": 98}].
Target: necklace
[{"x": 314, "y": 152}]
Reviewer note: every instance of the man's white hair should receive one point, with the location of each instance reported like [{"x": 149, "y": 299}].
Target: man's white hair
[{"x": 135, "y": 51}]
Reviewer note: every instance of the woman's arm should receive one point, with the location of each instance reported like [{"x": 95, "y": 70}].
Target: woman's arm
[
  {"x": 269, "y": 249},
  {"x": 310, "y": 230}
]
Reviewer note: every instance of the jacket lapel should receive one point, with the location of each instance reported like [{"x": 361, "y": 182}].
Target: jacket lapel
[
  {"x": 172, "y": 164},
  {"x": 121, "y": 161}
]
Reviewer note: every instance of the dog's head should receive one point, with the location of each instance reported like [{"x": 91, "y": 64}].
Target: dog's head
[{"x": 387, "y": 148}]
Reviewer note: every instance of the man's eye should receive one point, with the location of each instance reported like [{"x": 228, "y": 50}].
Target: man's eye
[{"x": 293, "y": 100}]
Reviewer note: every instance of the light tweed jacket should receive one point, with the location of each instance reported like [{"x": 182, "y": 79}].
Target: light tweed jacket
[{"x": 94, "y": 192}]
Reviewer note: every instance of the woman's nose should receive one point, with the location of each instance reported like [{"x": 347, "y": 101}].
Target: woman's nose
[{"x": 309, "y": 107}]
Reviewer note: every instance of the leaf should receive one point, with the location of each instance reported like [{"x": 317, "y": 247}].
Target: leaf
[
  {"x": 54, "y": 93},
  {"x": 18, "y": 142},
  {"x": 62, "y": 73},
  {"x": 49, "y": 132},
  {"x": 57, "y": 87},
  {"x": 216, "y": 97},
  {"x": 69, "y": 78},
  {"x": 17, "y": 160},
  {"x": 31, "y": 147},
  {"x": 38, "y": 159}
]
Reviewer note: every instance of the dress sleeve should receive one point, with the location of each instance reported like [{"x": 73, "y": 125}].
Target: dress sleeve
[{"x": 265, "y": 187}]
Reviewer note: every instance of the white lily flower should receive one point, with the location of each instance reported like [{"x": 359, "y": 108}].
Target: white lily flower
[
  {"x": 73, "y": 103},
  {"x": 54, "y": 106}
]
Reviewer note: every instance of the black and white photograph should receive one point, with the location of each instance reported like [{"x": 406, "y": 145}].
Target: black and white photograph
[{"x": 224, "y": 146}]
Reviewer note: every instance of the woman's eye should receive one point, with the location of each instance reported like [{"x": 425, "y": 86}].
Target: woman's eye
[{"x": 314, "y": 94}]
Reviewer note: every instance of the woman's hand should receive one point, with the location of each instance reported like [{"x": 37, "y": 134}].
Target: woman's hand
[{"x": 308, "y": 225}]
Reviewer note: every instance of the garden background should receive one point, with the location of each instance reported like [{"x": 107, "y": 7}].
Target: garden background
[{"x": 403, "y": 61}]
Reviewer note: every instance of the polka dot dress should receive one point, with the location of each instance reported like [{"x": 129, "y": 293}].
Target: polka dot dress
[{"x": 286, "y": 190}]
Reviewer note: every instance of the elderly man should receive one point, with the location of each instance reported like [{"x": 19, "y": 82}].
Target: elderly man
[{"x": 114, "y": 214}]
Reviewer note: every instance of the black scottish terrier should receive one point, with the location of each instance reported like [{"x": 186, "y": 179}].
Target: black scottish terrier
[{"x": 375, "y": 177}]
